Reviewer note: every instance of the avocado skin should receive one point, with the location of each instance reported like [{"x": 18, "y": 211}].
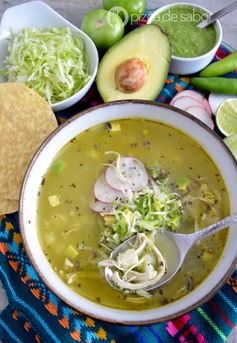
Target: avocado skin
[{"x": 147, "y": 42}]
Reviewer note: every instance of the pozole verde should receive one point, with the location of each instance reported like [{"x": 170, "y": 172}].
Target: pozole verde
[{"x": 75, "y": 236}]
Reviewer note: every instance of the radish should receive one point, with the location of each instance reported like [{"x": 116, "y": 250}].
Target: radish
[
  {"x": 104, "y": 193},
  {"x": 198, "y": 99},
  {"x": 185, "y": 102},
  {"x": 190, "y": 93},
  {"x": 101, "y": 207},
  {"x": 215, "y": 100},
  {"x": 202, "y": 115},
  {"x": 130, "y": 175}
]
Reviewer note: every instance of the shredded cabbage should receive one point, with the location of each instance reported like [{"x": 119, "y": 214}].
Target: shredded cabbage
[
  {"x": 51, "y": 61},
  {"x": 155, "y": 207}
]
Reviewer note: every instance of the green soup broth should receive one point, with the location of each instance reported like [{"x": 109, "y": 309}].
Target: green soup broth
[
  {"x": 69, "y": 230},
  {"x": 180, "y": 24}
]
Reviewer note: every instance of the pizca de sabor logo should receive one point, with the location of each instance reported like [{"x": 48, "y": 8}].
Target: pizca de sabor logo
[{"x": 121, "y": 12}]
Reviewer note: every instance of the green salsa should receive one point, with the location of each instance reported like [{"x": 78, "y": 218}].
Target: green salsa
[{"x": 180, "y": 24}]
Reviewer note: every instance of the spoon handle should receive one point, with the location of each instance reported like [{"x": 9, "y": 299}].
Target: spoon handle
[
  {"x": 218, "y": 15},
  {"x": 220, "y": 225}
]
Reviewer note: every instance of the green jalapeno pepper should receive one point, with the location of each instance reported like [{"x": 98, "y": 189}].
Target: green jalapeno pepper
[
  {"x": 226, "y": 65},
  {"x": 215, "y": 84}
]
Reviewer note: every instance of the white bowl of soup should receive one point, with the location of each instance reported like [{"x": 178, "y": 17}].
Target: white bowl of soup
[
  {"x": 66, "y": 237},
  {"x": 192, "y": 48}
]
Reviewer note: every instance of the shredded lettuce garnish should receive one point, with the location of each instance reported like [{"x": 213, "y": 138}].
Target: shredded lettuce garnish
[
  {"x": 51, "y": 61},
  {"x": 156, "y": 207}
]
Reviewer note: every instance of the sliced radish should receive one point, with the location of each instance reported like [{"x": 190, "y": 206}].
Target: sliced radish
[
  {"x": 202, "y": 115},
  {"x": 192, "y": 94},
  {"x": 185, "y": 102},
  {"x": 197, "y": 98},
  {"x": 132, "y": 175},
  {"x": 215, "y": 100},
  {"x": 101, "y": 207},
  {"x": 104, "y": 193}
]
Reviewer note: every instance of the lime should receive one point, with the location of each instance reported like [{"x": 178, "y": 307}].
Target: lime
[
  {"x": 226, "y": 118},
  {"x": 231, "y": 142}
]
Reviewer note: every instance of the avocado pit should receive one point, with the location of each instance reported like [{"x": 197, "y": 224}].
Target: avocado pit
[{"x": 130, "y": 75}]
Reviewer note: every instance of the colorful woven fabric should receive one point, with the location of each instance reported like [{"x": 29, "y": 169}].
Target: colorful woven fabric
[{"x": 35, "y": 314}]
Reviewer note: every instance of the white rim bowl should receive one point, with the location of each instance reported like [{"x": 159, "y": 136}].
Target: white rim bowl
[{"x": 100, "y": 114}]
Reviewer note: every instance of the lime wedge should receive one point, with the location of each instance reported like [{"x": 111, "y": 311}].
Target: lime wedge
[
  {"x": 231, "y": 142},
  {"x": 226, "y": 118}
]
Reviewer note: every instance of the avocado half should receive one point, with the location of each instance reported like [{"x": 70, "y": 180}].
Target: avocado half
[{"x": 136, "y": 67}]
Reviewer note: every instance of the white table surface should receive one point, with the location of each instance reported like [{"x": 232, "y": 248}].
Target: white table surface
[{"x": 74, "y": 10}]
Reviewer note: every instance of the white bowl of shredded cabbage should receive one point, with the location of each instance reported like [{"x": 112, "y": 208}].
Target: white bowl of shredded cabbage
[{"x": 41, "y": 49}]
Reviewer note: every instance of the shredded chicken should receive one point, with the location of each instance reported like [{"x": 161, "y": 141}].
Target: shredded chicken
[{"x": 138, "y": 267}]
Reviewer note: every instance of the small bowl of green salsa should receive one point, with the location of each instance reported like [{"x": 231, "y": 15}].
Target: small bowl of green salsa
[{"x": 192, "y": 48}]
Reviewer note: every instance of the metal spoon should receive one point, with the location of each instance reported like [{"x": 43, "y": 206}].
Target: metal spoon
[
  {"x": 227, "y": 9},
  {"x": 173, "y": 246}
]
